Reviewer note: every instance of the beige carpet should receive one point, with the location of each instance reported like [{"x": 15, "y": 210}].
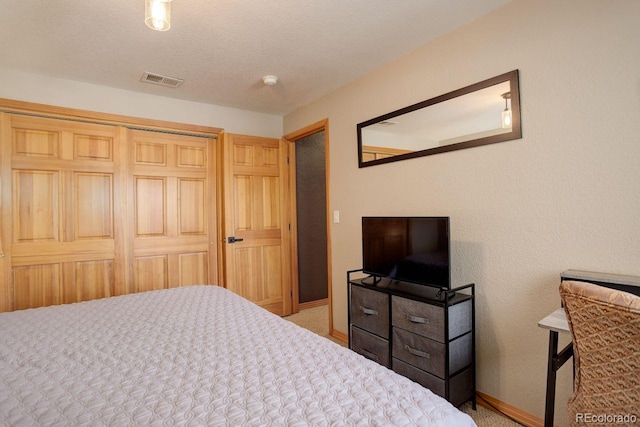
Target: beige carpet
[{"x": 317, "y": 320}]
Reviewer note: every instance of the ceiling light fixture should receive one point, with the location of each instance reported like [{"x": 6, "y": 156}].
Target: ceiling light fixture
[
  {"x": 270, "y": 80},
  {"x": 506, "y": 114},
  {"x": 157, "y": 14}
]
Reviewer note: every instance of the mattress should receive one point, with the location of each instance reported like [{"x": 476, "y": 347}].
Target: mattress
[{"x": 198, "y": 355}]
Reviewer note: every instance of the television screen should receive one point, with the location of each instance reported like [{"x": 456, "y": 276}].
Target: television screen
[{"x": 408, "y": 249}]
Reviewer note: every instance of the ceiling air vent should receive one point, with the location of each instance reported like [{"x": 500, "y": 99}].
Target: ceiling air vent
[{"x": 159, "y": 79}]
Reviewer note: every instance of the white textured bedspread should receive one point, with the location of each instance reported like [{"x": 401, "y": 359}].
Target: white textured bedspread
[{"x": 197, "y": 355}]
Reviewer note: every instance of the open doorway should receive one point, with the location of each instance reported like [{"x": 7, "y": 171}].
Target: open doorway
[
  {"x": 312, "y": 247},
  {"x": 311, "y": 219}
]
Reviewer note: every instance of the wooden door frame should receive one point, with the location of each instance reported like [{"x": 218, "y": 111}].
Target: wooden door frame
[
  {"x": 293, "y": 137},
  {"x": 6, "y": 291}
]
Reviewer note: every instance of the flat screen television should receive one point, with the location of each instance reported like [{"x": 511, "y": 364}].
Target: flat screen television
[{"x": 407, "y": 249}]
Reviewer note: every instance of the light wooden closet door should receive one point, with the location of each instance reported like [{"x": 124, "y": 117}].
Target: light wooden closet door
[
  {"x": 255, "y": 210},
  {"x": 58, "y": 212},
  {"x": 172, "y": 221}
]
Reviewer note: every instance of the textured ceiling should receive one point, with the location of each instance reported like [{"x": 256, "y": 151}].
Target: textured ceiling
[{"x": 222, "y": 48}]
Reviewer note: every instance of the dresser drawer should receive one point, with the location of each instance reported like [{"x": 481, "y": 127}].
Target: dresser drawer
[
  {"x": 428, "y": 320},
  {"x": 418, "y": 317},
  {"x": 370, "y": 311},
  {"x": 370, "y": 346},
  {"x": 423, "y": 378},
  {"x": 419, "y": 351},
  {"x": 461, "y": 387}
]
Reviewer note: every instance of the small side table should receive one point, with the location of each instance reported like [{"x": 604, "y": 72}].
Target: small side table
[{"x": 556, "y": 323}]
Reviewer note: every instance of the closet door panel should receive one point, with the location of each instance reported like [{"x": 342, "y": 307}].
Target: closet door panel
[
  {"x": 191, "y": 157},
  {"x": 194, "y": 268},
  {"x": 148, "y": 153},
  {"x": 90, "y": 147},
  {"x": 88, "y": 273},
  {"x": 249, "y": 280},
  {"x": 192, "y": 206},
  {"x": 93, "y": 195},
  {"x": 90, "y": 280},
  {"x": 35, "y": 143},
  {"x": 174, "y": 241},
  {"x": 35, "y": 206},
  {"x": 150, "y": 206},
  {"x": 151, "y": 273},
  {"x": 272, "y": 272},
  {"x": 36, "y": 286},
  {"x": 271, "y": 217},
  {"x": 244, "y": 202},
  {"x": 63, "y": 237}
]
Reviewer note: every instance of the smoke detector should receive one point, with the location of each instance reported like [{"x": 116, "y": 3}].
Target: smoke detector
[
  {"x": 159, "y": 79},
  {"x": 270, "y": 80}
]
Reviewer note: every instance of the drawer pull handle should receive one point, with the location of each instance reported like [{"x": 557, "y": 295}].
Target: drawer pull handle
[
  {"x": 370, "y": 355},
  {"x": 417, "y": 352},
  {"x": 417, "y": 319},
  {"x": 368, "y": 311}
]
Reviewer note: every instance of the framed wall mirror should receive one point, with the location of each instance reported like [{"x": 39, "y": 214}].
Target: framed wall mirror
[{"x": 482, "y": 113}]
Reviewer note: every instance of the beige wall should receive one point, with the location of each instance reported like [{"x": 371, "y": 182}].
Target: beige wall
[
  {"x": 23, "y": 86},
  {"x": 566, "y": 195}
]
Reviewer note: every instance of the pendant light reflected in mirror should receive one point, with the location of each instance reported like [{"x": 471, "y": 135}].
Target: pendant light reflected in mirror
[{"x": 506, "y": 114}]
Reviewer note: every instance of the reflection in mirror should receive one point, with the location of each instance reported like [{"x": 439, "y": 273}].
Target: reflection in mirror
[{"x": 483, "y": 113}]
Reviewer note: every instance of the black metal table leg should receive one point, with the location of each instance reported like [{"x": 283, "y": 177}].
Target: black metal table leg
[
  {"x": 549, "y": 405},
  {"x": 556, "y": 360}
]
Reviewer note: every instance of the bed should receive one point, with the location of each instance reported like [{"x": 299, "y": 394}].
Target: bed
[{"x": 197, "y": 355}]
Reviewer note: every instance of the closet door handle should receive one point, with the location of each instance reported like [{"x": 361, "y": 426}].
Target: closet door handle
[
  {"x": 233, "y": 239},
  {"x": 368, "y": 311},
  {"x": 417, "y": 352}
]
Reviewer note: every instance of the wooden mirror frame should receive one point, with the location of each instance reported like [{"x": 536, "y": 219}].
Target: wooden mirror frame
[{"x": 516, "y": 130}]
